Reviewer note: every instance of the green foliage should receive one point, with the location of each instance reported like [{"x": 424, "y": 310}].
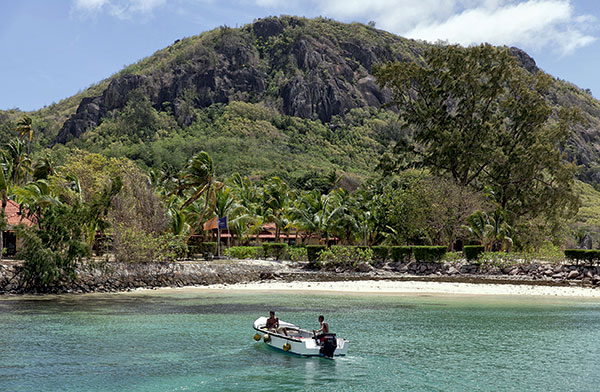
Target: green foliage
[
  {"x": 274, "y": 249},
  {"x": 313, "y": 252},
  {"x": 472, "y": 251},
  {"x": 297, "y": 253},
  {"x": 478, "y": 97},
  {"x": 452, "y": 257},
  {"x": 585, "y": 255},
  {"x": 208, "y": 247},
  {"x": 380, "y": 253},
  {"x": 429, "y": 253},
  {"x": 343, "y": 256},
  {"x": 400, "y": 254},
  {"x": 131, "y": 245},
  {"x": 52, "y": 250},
  {"x": 500, "y": 259},
  {"x": 243, "y": 252}
]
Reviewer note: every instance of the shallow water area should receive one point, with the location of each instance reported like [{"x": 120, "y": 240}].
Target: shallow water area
[{"x": 199, "y": 340}]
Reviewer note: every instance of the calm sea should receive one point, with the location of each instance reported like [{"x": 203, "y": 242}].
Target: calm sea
[{"x": 199, "y": 341}]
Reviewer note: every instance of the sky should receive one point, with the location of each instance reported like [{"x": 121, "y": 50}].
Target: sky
[{"x": 52, "y": 49}]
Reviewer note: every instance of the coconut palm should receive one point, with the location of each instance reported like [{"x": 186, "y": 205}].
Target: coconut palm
[
  {"x": 198, "y": 179},
  {"x": 276, "y": 203},
  {"x": 312, "y": 212},
  {"x": 25, "y": 130},
  {"x": 18, "y": 164}
]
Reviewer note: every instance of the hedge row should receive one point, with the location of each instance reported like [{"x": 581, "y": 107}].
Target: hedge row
[
  {"x": 274, "y": 249},
  {"x": 429, "y": 253},
  {"x": 400, "y": 254},
  {"x": 312, "y": 252},
  {"x": 585, "y": 255},
  {"x": 471, "y": 252},
  {"x": 203, "y": 248}
]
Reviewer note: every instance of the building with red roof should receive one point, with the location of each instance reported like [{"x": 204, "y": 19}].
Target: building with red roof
[{"x": 15, "y": 215}]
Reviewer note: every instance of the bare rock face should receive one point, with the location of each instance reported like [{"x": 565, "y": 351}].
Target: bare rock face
[
  {"x": 274, "y": 59},
  {"x": 91, "y": 110},
  {"x": 524, "y": 60}
]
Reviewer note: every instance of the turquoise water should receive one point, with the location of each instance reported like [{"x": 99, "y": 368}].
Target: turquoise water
[{"x": 199, "y": 341}]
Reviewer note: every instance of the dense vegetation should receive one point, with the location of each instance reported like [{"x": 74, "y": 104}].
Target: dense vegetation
[{"x": 473, "y": 147}]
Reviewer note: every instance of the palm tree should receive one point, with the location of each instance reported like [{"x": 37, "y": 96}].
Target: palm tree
[
  {"x": 276, "y": 198},
  {"x": 312, "y": 213},
  {"x": 17, "y": 162},
  {"x": 25, "y": 129},
  {"x": 44, "y": 167},
  {"x": 198, "y": 178},
  {"x": 492, "y": 231}
]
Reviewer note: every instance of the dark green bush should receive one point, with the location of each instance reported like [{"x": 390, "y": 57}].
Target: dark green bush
[
  {"x": 208, "y": 247},
  {"x": 276, "y": 250},
  {"x": 429, "y": 253},
  {"x": 243, "y": 252},
  {"x": 347, "y": 257},
  {"x": 266, "y": 247},
  {"x": 296, "y": 253},
  {"x": 400, "y": 253},
  {"x": 312, "y": 252},
  {"x": 585, "y": 255},
  {"x": 380, "y": 253},
  {"x": 471, "y": 252}
]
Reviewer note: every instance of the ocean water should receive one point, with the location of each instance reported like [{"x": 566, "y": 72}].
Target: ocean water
[{"x": 202, "y": 341}]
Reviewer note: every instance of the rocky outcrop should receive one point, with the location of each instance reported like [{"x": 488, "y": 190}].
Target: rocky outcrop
[
  {"x": 91, "y": 110},
  {"x": 322, "y": 78}
]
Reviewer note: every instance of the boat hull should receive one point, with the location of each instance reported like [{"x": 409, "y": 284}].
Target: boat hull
[{"x": 300, "y": 345}]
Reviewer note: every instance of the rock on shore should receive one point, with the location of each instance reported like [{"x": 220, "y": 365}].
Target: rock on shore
[{"x": 113, "y": 276}]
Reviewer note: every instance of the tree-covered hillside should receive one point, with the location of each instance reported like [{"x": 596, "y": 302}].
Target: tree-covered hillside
[{"x": 287, "y": 96}]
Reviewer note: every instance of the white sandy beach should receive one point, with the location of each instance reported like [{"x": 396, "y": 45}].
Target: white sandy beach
[{"x": 408, "y": 287}]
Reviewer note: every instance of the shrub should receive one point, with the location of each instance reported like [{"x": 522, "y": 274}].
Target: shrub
[
  {"x": 208, "y": 247},
  {"x": 380, "y": 253},
  {"x": 400, "y": 253},
  {"x": 585, "y": 255},
  {"x": 343, "y": 256},
  {"x": 429, "y": 253},
  {"x": 313, "y": 251},
  {"x": 297, "y": 253},
  {"x": 472, "y": 251},
  {"x": 452, "y": 257},
  {"x": 275, "y": 250},
  {"x": 243, "y": 252},
  {"x": 500, "y": 259},
  {"x": 131, "y": 245}
]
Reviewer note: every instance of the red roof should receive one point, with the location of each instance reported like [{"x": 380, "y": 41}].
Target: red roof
[{"x": 14, "y": 215}]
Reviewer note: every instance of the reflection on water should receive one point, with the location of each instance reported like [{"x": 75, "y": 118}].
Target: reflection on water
[{"x": 170, "y": 341}]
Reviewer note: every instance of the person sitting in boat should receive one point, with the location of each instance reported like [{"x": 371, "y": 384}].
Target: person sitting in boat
[
  {"x": 324, "y": 326},
  {"x": 273, "y": 324}
]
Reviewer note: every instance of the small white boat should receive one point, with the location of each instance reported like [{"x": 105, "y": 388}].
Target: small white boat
[{"x": 300, "y": 341}]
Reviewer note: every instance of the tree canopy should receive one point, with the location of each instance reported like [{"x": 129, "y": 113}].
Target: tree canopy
[{"x": 483, "y": 120}]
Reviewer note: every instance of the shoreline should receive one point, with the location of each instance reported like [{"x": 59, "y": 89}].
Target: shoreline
[
  {"x": 394, "y": 287},
  {"x": 534, "y": 279}
]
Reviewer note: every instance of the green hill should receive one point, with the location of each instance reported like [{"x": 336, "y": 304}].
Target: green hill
[{"x": 287, "y": 96}]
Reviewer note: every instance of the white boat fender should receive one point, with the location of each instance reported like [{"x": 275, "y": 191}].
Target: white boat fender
[
  {"x": 287, "y": 347},
  {"x": 267, "y": 338},
  {"x": 256, "y": 337}
]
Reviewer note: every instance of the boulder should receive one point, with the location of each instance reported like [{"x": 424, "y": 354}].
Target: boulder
[{"x": 365, "y": 267}]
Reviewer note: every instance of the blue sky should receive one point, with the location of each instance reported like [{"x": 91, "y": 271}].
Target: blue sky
[{"x": 51, "y": 49}]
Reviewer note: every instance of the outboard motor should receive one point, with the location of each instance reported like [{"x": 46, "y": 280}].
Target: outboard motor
[{"x": 328, "y": 344}]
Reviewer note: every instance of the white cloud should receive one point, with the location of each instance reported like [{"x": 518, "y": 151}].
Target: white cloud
[
  {"x": 531, "y": 24},
  {"x": 122, "y": 9}
]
